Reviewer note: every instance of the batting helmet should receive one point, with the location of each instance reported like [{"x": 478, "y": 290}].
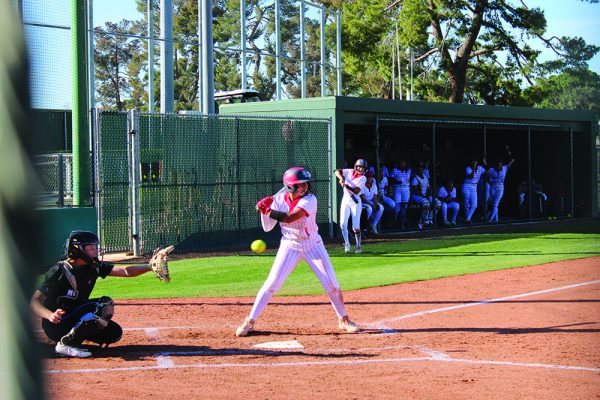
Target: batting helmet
[
  {"x": 295, "y": 175},
  {"x": 75, "y": 243},
  {"x": 361, "y": 163}
]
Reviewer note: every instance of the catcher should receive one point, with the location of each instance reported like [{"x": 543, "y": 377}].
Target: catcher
[{"x": 68, "y": 315}]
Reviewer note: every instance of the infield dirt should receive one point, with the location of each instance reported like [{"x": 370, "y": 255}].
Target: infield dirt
[{"x": 437, "y": 339}]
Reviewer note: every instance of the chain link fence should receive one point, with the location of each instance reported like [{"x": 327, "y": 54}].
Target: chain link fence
[
  {"x": 54, "y": 172},
  {"x": 199, "y": 177}
]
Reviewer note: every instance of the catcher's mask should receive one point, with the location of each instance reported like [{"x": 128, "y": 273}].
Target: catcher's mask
[
  {"x": 294, "y": 176},
  {"x": 360, "y": 166},
  {"x": 76, "y": 242}
]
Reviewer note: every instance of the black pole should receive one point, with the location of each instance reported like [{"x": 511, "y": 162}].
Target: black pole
[
  {"x": 433, "y": 175},
  {"x": 572, "y": 175},
  {"x": 485, "y": 191},
  {"x": 529, "y": 180}
]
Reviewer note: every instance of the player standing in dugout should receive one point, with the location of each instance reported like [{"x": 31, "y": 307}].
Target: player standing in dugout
[{"x": 352, "y": 182}]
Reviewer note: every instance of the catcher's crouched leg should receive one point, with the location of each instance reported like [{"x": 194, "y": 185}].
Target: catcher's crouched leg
[
  {"x": 96, "y": 327},
  {"x": 111, "y": 331}
]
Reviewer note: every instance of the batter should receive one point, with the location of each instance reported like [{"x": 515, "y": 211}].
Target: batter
[{"x": 296, "y": 210}]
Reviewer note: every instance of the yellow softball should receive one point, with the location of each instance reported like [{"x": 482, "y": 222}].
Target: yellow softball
[{"x": 258, "y": 246}]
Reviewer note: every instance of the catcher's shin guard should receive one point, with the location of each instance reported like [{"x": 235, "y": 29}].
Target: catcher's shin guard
[
  {"x": 88, "y": 326},
  {"x": 105, "y": 310}
]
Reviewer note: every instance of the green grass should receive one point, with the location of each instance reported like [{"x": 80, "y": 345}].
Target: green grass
[{"x": 380, "y": 264}]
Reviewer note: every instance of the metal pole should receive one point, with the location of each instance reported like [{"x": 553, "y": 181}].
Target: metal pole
[
  {"x": 134, "y": 166},
  {"x": 208, "y": 77},
  {"x": 331, "y": 182},
  {"x": 412, "y": 61},
  {"x": 200, "y": 46},
  {"x": 278, "y": 47},
  {"x": 433, "y": 174},
  {"x": 399, "y": 65},
  {"x": 302, "y": 52},
  {"x": 323, "y": 72},
  {"x": 339, "y": 52},
  {"x": 393, "y": 72},
  {"x": 92, "y": 89},
  {"x": 150, "y": 28},
  {"x": 166, "y": 56},
  {"x": 98, "y": 175},
  {"x": 80, "y": 113},
  {"x": 238, "y": 178},
  {"x": 243, "y": 41},
  {"x": 572, "y": 175},
  {"x": 377, "y": 152},
  {"x": 529, "y": 179},
  {"x": 485, "y": 179},
  {"x": 61, "y": 180}
]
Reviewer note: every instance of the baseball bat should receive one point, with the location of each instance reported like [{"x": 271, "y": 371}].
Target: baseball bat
[{"x": 350, "y": 193}]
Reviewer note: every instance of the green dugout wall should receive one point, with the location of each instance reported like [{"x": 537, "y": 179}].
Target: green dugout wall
[{"x": 554, "y": 148}]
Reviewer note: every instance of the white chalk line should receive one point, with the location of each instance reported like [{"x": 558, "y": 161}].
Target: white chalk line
[
  {"x": 384, "y": 322},
  {"x": 332, "y": 362}
]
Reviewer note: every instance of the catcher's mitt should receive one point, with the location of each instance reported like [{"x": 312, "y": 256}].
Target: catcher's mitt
[{"x": 159, "y": 263}]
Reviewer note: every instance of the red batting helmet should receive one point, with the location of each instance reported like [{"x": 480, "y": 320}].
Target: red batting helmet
[{"x": 294, "y": 176}]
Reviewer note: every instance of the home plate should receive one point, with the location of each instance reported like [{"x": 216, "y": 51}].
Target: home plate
[{"x": 290, "y": 344}]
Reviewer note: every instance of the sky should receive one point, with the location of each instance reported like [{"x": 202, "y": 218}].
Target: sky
[{"x": 564, "y": 18}]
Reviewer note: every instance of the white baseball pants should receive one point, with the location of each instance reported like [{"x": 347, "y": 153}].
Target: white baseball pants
[
  {"x": 469, "y": 192},
  {"x": 349, "y": 208},
  {"x": 496, "y": 193},
  {"x": 453, "y": 207},
  {"x": 288, "y": 256}
]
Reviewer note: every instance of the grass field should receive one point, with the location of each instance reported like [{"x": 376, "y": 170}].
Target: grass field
[{"x": 381, "y": 264}]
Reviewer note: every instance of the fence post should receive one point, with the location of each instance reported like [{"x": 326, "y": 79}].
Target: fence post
[
  {"x": 238, "y": 176},
  {"x": 330, "y": 174},
  {"x": 61, "y": 180},
  {"x": 96, "y": 156},
  {"x": 133, "y": 156}
]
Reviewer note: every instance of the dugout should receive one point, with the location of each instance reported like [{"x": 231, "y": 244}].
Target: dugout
[{"x": 555, "y": 149}]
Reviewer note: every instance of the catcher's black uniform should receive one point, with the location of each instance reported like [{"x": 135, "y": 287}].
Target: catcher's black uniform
[{"x": 69, "y": 288}]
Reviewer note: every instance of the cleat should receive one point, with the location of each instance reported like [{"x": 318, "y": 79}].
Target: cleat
[
  {"x": 358, "y": 250},
  {"x": 69, "y": 351},
  {"x": 246, "y": 327},
  {"x": 374, "y": 230},
  {"x": 348, "y": 326},
  {"x": 453, "y": 223},
  {"x": 420, "y": 225},
  {"x": 347, "y": 248}
]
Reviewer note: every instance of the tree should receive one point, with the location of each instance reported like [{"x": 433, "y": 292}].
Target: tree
[
  {"x": 574, "y": 89},
  {"x": 468, "y": 41},
  {"x": 115, "y": 64}
]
